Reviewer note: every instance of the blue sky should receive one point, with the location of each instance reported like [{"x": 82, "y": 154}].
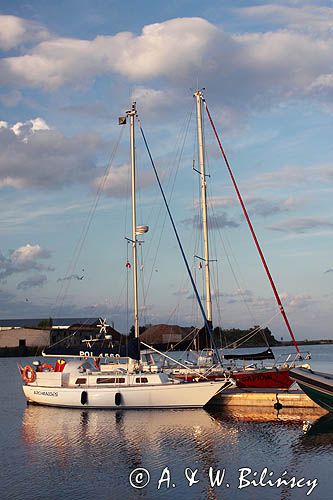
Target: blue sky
[{"x": 69, "y": 69}]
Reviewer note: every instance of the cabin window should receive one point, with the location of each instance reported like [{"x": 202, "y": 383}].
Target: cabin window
[
  {"x": 21, "y": 342},
  {"x": 81, "y": 381},
  {"x": 141, "y": 380},
  {"x": 108, "y": 380}
]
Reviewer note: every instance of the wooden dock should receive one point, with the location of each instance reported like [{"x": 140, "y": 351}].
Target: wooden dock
[{"x": 264, "y": 398}]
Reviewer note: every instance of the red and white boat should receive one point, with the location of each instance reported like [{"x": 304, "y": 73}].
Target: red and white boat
[{"x": 247, "y": 376}]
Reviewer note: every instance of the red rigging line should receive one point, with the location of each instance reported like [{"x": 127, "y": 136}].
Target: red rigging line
[{"x": 277, "y": 297}]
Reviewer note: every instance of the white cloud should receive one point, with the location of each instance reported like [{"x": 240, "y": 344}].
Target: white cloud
[
  {"x": 221, "y": 201},
  {"x": 245, "y": 68},
  {"x": 33, "y": 155},
  {"x": 216, "y": 221},
  {"x": 14, "y": 31},
  {"x": 36, "y": 281},
  {"x": 285, "y": 176},
  {"x": 23, "y": 259},
  {"x": 54, "y": 63},
  {"x": 117, "y": 182},
  {"x": 153, "y": 101},
  {"x": 259, "y": 205},
  {"x": 302, "y": 224},
  {"x": 267, "y": 207},
  {"x": 322, "y": 83},
  {"x": 297, "y": 302},
  {"x": 29, "y": 253},
  {"x": 29, "y": 127},
  {"x": 17, "y": 183},
  {"x": 295, "y": 175},
  {"x": 171, "y": 48}
]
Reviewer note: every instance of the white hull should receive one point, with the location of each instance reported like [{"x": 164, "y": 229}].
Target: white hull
[{"x": 191, "y": 395}]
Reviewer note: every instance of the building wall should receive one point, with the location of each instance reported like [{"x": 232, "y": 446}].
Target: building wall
[{"x": 32, "y": 337}]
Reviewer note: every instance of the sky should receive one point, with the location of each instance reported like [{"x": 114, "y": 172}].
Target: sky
[{"x": 69, "y": 69}]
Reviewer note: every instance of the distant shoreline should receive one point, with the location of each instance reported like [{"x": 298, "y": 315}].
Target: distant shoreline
[
  {"x": 305, "y": 342},
  {"x": 9, "y": 352}
]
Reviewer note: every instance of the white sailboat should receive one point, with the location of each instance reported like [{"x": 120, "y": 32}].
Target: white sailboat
[{"x": 116, "y": 385}]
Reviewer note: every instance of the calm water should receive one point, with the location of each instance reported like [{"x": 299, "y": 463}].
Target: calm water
[{"x": 50, "y": 453}]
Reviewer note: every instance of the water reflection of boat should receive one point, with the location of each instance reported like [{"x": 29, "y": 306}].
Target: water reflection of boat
[
  {"x": 62, "y": 433},
  {"x": 67, "y": 428},
  {"x": 268, "y": 414},
  {"x": 67, "y": 448},
  {"x": 108, "y": 446},
  {"x": 323, "y": 425},
  {"x": 317, "y": 437}
]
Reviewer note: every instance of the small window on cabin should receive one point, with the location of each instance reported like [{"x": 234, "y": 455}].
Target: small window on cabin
[
  {"x": 142, "y": 380},
  {"x": 21, "y": 342},
  {"x": 108, "y": 380},
  {"x": 80, "y": 381}
]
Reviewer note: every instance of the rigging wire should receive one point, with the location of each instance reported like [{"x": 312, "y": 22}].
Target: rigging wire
[
  {"x": 127, "y": 289},
  {"x": 172, "y": 182},
  {"x": 215, "y": 273},
  {"x": 79, "y": 245},
  {"x": 277, "y": 297},
  {"x": 193, "y": 236},
  {"x": 184, "y": 338},
  {"x": 69, "y": 336},
  {"x": 141, "y": 267},
  {"x": 251, "y": 334},
  {"x": 197, "y": 222},
  {"x": 122, "y": 301},
  {"x": 225, "y": 240},
  {"x": 180, "y": 246}
]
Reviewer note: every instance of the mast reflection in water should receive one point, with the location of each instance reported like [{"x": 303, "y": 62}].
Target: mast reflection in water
[{"x": 95, "y": 451}]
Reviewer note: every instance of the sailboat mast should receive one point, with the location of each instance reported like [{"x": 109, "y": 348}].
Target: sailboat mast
[
  {"x": 132, "y": 114},
  {"x": 199, "y": 98}
]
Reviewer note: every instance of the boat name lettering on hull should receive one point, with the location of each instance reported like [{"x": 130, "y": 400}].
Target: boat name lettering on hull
[
  {"x": 46, "y": 393},
  {"x": 90, "y": 354}
]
